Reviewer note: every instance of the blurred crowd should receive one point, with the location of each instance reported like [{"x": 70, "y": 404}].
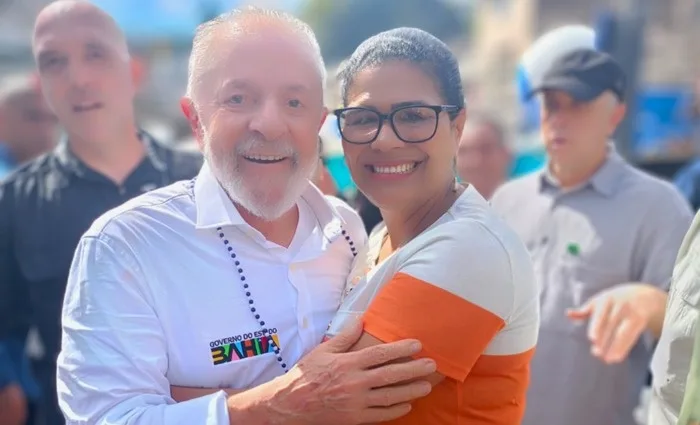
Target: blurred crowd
[{"x": 607, "y": 240}]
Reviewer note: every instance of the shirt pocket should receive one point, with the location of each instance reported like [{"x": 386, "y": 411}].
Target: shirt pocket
[
  {"x": 573, "y": 284},
  {"x": 39, "y": 261},
  {"x": 589, "y": 280},
  {"x": 241, "y": 366},
  {"x": 237, "y": 361}
]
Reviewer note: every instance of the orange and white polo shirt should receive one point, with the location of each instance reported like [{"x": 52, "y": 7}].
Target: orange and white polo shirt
[{"x": 466, "y": 289}]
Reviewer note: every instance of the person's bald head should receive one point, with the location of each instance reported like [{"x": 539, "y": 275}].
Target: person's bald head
[
  {"x": 67, "y": 13},
  {"x": 85, "y": 68}
]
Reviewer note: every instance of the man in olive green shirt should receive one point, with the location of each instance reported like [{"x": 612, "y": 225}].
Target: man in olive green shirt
[{"x": 672, "y": 359}]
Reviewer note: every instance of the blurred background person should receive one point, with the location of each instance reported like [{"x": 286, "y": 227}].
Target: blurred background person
[
  {"x": 19, "y": 391},
  {"x": 28, "y": 128},
  {"x": 603, "y": 237},
  {"x": 483, "y": 156},
  {"x": 105, "y": 159},
  {"x": 322, "y": 177},
  {"x": 687, "y": 179},
  {"x": 675, "y": 388},
  {"x": 369, "y": 213}
]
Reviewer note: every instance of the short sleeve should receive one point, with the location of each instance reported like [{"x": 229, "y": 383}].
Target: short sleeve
[
  {"x": 665, "y": 226},
  {"x": 454, "y": 293}
]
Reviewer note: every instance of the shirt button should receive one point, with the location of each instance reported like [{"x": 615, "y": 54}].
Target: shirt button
[
  {"x": 304, "y": 323},
  {"x": 292, "y": 267}
]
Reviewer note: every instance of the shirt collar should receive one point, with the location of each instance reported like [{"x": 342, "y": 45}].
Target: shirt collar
[
  {"x": 66, "y": 157},
  {"x": 215, "y": 209},
  {"x": 605, "y": 181}
]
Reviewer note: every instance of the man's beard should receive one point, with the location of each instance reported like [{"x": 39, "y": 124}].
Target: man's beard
[{"x": 266, "y": 195}]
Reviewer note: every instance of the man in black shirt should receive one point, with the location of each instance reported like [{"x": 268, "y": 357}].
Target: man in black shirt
[{"x": 46, "y": 205}]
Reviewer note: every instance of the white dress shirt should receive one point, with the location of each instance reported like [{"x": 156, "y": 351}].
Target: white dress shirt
[{"x": 154, "y": 299}]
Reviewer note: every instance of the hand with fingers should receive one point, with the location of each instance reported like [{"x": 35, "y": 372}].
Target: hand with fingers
[
  {"x": 333, "y": 386},
  {"x": 13, "y": 405},
  {"x": 617, "y": 318}
]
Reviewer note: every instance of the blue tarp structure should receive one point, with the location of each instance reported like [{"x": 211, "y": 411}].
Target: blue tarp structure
[{"x": 663, "y": 116}]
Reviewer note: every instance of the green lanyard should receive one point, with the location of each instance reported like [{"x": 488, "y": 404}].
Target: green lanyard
[{"x": 690, "y": 411}]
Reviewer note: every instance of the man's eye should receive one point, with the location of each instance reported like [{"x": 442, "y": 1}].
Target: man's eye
[
  {"x": 236, "y": 99},
  {"x": 50, "y": 63},
  {"x": 94, "y": 54},
  {"x": 294, "y": 103}
]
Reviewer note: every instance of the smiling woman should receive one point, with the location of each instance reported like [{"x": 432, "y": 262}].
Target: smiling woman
[{"x": 442, "y": 268}]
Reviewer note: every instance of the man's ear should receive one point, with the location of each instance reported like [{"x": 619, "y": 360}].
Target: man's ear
[
  {"x": 192, "y": 116},
  {"x": 138, "y": 72},
  {"x": 619, "y": 114},
  {"x": 323, "y": 118}
]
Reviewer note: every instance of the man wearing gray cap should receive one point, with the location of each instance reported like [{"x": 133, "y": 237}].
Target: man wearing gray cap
[{"x": 603, "y": 237}]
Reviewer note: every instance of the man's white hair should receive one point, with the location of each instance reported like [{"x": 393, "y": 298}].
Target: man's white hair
[
  {"x": 612, "y": 100},
  {"x": 238, "y": 21}
]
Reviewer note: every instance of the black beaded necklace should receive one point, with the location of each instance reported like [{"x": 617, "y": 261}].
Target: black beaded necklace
[{"x": 247, "y": 290}]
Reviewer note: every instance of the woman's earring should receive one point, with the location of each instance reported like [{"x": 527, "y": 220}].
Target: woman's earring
[{"x": 457, "y": 183}]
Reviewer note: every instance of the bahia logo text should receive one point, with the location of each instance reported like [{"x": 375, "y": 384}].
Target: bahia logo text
[{"x": 243, "y": 346}]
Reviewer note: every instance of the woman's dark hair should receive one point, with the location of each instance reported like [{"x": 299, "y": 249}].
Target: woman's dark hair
[
  {"x": 369, "y": 213},
  {"x": 410, "y": 45}
]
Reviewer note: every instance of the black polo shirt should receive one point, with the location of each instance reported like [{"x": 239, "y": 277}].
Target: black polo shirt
[{"x": 45, "y": 207}]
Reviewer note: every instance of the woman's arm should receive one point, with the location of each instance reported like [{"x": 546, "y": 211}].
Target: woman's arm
[
  {"x": 368, "y": 340},
  {"x": 455, "y": 293}
]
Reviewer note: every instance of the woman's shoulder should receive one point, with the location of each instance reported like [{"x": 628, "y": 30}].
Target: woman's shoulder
[
  {"x": 486, "y": 233},
  {"x": 473, "y": 259},
  {"x": 473, "y": 223}
]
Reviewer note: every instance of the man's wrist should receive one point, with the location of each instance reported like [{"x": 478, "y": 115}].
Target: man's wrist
[
  {"x": 257, "y": 406},
  {"x": 653, "y": 300}
]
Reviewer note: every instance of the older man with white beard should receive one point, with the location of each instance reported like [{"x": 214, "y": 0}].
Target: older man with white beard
[{"x": 218, "y": 291}]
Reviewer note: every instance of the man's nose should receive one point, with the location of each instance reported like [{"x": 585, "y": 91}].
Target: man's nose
[
  {"x": 268, "y": 120},
  {"x": 557, "y": 118},
  {"x": 78, "y": 75}
]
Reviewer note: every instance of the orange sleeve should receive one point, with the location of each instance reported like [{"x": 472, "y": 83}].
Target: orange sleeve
[{"x": 454, "y": 332}]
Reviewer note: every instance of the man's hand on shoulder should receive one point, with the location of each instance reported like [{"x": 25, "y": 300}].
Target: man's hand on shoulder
[{"x": 332, "y": 385}]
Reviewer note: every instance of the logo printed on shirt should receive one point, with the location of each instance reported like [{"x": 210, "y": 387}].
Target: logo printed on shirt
[{"x": 243, "y": 346}]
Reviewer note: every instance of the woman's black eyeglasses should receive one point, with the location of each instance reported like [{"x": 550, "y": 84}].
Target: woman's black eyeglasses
[{"x": 411, "y": 124}]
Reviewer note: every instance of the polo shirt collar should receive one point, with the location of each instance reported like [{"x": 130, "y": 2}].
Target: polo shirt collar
[
  {"x": 604, "y": 181},
  {"x": 215, "y": 209}
]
